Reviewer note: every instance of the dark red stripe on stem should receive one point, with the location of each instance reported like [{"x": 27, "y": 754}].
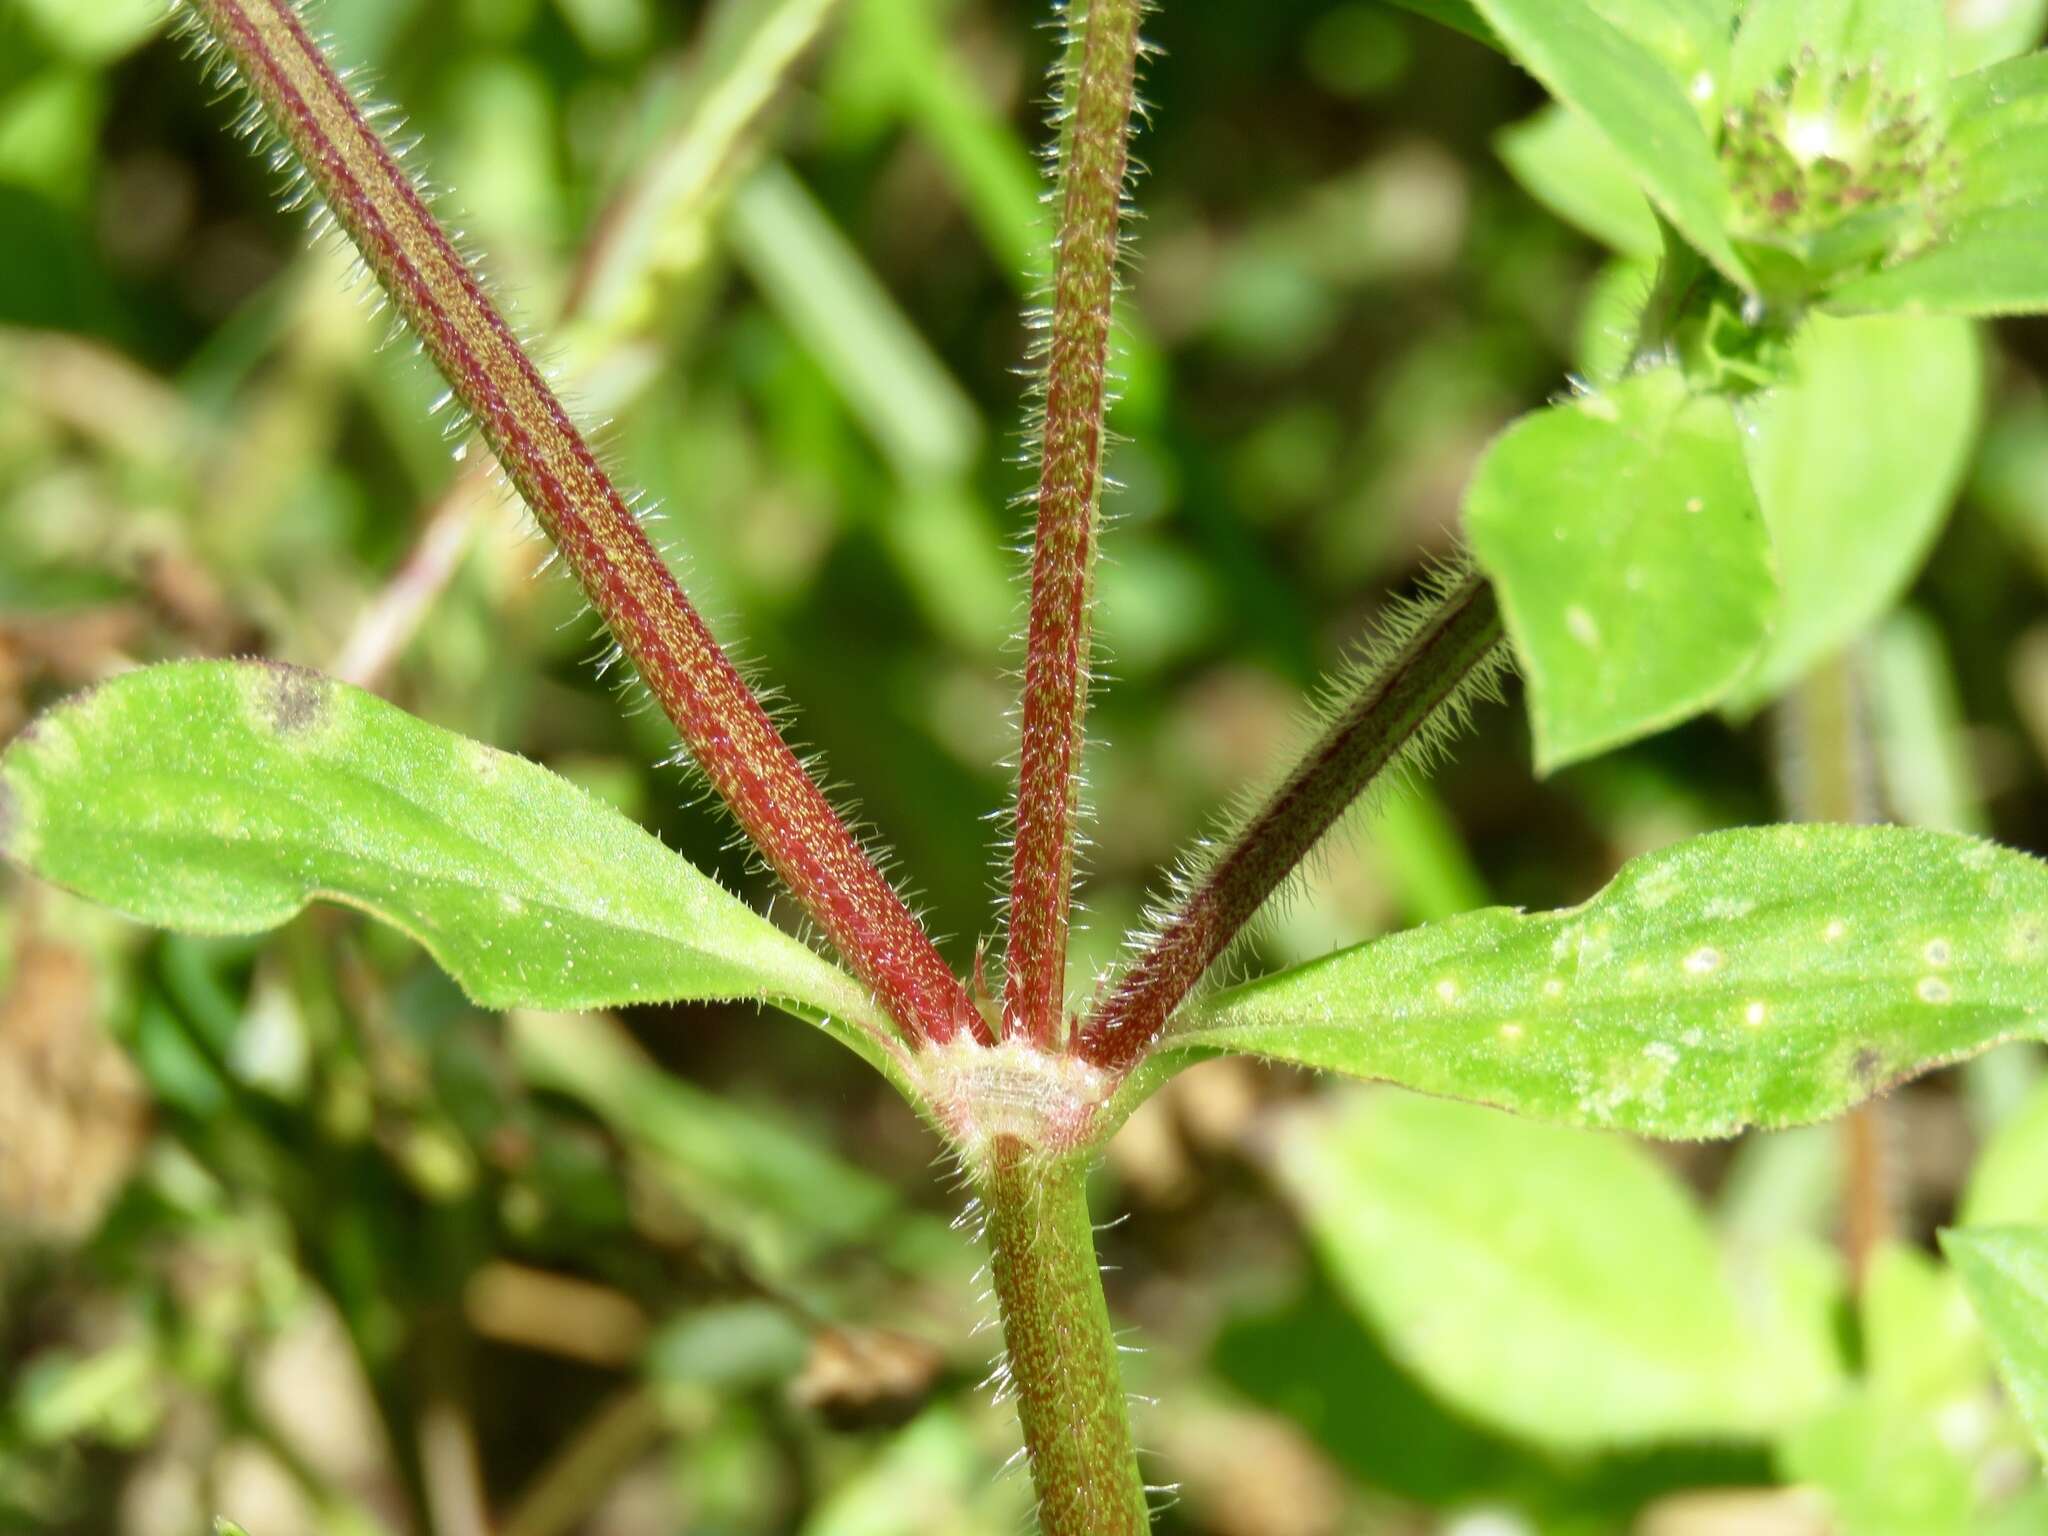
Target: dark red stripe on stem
[
  {"x": 721, "y": 722},
  {"x": 1430, "y": 673},
  {"x": 1094, "y": 158}
]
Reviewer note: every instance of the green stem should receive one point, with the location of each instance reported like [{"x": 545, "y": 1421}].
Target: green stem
[{"x": 1062, "y": 1357}]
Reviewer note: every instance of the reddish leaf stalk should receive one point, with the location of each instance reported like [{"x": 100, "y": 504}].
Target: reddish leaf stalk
[
  {"x": 720, "y": 720},
  {"x": 1428, "y": 679},
  {"x": 1094, "y": 157}
]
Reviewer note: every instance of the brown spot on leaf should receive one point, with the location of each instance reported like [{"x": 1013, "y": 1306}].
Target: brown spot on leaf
[
  {"x": 298, "y": 698},
  {"x": 1866, "y": 1064}
]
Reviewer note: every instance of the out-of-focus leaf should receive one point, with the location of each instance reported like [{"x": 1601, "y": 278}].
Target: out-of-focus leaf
[
  {"x": 96, "y": 32},
  {"x": 1554, "y": 1283},
  {"x": 1905, "y": 39},
  {"x": 1928, "y": 777},
  {"x": 222, "y": 797},
  {"x": 1635, "y": 98},
  {"x": 1855, "y": 461},
  {"x": 890, "y": 378},
  {"x": 2026, "y": 1515},
  {"x": 2009, "y": 1183},
  {"x": 1986, "y": 32},
  {"x": 1633, "y": 566},
  {"x": 1764, "y": 976},
  {"x": 784, "y": 1200},
  {"x": 1562, "y": 161},
  {"x": 1921, "y": 1345},
  {"x": 1987, "y": 264},
  {"x": 1690, "y": 37},
  {"x": 661, "y": 226},
  {"x": 1458, "y": 15},
  {"x": 1611, "y": 322},
  {"x": 1884, "y": 1470},
  {"x": 1984, "y": 257},
  {"x": 2005, "y": 1270},
  {"x": 933, "y": 1479}
]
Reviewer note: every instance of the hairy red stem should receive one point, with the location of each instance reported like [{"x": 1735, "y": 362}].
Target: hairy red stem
[
  {"x": 720, "y": 720},
  {"x": 1096, "y": 108},
  {"x": 1430, "y": 675}
]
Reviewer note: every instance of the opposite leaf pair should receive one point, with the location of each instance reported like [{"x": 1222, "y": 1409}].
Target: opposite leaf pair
[{"x": 1766, "y": 976}]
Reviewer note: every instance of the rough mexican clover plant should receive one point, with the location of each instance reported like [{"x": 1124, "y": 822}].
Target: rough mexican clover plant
[{"x": 1811, "y": 200}]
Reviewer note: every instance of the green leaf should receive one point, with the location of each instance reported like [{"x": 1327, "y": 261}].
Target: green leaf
[
  {"x": 1884, "y": 1470},
  {"x": 1555, "y": 1284},
  {"x": 2009, "y": 1183},
  {"x": 1637, "y": 99},
  {"x": 1923, "y": 749},
  {"x": 1458, "y": 15},
  {"x": 1985, "y": 32},
  {"x": 1985, "y": 257},
  {"x": 1690, "y": 37},
  {"x": 782, "y": 1200},
  {"x": 1856, "y": 461},
  {"x": 1986, "y": 265},
  {"x": 1922, "y": 1348},
  {"x": 1906, "y": 40},
  {"x": 99, "y": 32},
  {"x": 222, "y": 797},
  {"x": 1562, "y": 161},
  {"x": 1610, "y": 323},
  {"x": 2005, "y": 1270},
  {"x": 1632, "y": 563},
  {"x": 1764, "y": 976}
]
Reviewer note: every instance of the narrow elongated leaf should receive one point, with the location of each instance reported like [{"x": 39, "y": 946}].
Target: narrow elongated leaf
[
  {"x": 1764, "y": 976},
  {"x": 1856, "y": 460},
  {"x": 1553, "y": 1283},
  {"x": 1637, "y": 100},
  {"x": 222, "y": 797},
  {"x": 2005, "y": 1270},
  {"x": 1633, "y": 566}
]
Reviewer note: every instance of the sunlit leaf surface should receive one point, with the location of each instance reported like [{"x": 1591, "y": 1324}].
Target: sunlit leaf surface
[
  {"x": 1765, "y": 976},
  {"x": 222, "y": 797},
  {"x": 1633, "y": 566}
]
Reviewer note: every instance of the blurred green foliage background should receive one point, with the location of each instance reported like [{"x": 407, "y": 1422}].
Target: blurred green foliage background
[{"x": 289, "y": 1233}]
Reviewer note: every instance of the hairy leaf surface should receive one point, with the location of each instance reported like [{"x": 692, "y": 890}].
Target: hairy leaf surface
[
  {"x": 222, "y": 797},
  {"x": 1763, "y": 976}
]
